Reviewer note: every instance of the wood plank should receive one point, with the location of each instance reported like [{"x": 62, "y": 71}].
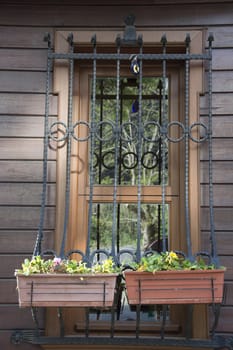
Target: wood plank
[
  {"x": 23, "y": 126},
  {"x": 113, "y": 2},
  {"x": 23, "y": 59},
  {"x": 26, "y": 104},
  {"x": 222, "y": 126},
  {"x": 221, "y": 104},
  {"x": 223, "y": 195},
  {"x": 222, "y": 36},
  {"x": 26, "y": 171},
  {"x": 8, "y": 292},
  {"x": 225, "y": 320},
  {"x": 30, "y": 149},
  {"x": 23, "y": 241},
  {"x": 180, "y": 15},
  {"x": 222, "y": 81},
  {"x": 229, "y": 293},
  {"x": 223, "y": 241},
  {"x": 222, "y": 150},
  {"x": 9, "y": 263},
  {"x": 227, "y": 261},
  {"x": 222, "y": 59},
  {"x": 223, "y": 219},
  {"x": 26, "y": 194},
  {"x": 23, "y": 81},
  {"x": 24, "y": 37},
  {"x": 12, "y": 317},
  {"x": 20, "y": 218},
  {"x": 222, "y": 172}
]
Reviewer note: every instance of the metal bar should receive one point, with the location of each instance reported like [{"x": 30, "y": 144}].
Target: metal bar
[
  {"x": 37, "y": 247},
  {"x": 218, "y": 342},
  {"x": 163, "y": 144},
  {"x": 68, "y": 150},
  {"x": 187, "y": 214},
  {"x": 126, "y": 56},
  {"x": 139, "y": 153},
  {"x": 116, "y": 156},
  {"x": 91, "y": 153},
  {"x": 211, "y": 200}
]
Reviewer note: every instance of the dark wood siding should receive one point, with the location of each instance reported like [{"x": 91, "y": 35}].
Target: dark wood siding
[{"x": 22, "y": 96}]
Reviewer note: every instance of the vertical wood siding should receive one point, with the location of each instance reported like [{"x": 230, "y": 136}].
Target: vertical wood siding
[{"x": 22, "y": 95}]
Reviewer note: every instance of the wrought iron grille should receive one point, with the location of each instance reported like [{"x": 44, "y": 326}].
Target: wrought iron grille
[{"x": 154, "y": 131}]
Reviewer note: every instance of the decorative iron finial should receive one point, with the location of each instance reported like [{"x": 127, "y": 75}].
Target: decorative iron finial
[{"x": 130, "y": 35}]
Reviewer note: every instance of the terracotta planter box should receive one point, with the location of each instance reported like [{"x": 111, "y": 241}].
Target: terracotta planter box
[
  {"x": 175, "y": 287},
  {"x": 66, "y": 290}
]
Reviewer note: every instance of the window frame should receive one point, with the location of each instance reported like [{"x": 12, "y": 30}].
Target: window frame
[{"x": 61, "y": 71}]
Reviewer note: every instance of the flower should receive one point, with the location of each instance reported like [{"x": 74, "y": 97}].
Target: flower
[
  {"x": 58, "y": 265},
  {"x": 164, "y": 261}
]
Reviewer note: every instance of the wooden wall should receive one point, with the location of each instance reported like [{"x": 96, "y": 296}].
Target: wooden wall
[{"x": 22, "y": 95}]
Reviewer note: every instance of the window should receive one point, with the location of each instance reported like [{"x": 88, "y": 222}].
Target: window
[{"x": 115, "y": 201}]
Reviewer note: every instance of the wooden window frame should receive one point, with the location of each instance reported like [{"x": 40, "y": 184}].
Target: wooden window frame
[{"x": 60, "y": 87}]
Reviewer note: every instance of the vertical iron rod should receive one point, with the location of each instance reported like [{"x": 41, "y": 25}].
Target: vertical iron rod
[
  {"x": 92, "y": 150},
  {"x": 68, "y": 151},
  {"x": 163, "y": 145},
  {"x": 116, "y": 155},
  {"x": 37, "y": 248},
  {"x": 211, "y": 200},
  {"x": 139, "y": 154},
  {"x": 187, "y": 214}
]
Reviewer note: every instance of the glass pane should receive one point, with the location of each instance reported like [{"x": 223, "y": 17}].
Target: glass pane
[
  {"x": 126, "y": 226},
  {"x": 119, "y": 152}
]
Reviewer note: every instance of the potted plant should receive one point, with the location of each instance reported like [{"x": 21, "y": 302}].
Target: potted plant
[
  {"x": 63, "y": 282},
  {"x": 168, "y": 278}
]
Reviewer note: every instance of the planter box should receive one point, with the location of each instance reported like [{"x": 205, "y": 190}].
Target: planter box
[
  {"x": 175, "y": 287},
  {"x": 66, "y": 290}
]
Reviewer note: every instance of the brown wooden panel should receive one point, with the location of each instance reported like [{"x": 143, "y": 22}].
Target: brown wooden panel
[
  {"x": 223, "y": 219},
  {"x": 181, "y": 14},
  {"x": 222, "y": 59},
  {"x": 221, "y": 104},
  {"x": 222, "y": 126},
  {"x": 8, "y": 292},
  {"x": 23, "y": 37},
  {"x": 225, "y": 320},
  {"x": 20, "y": 126},
  {"x": 19, "y": 59},
  {"x": 222, "y": 36},
  {"x": 11, "y": 262},
  {"x": 26, "y": 104},
  {"x": 222, "y": 150},
  {"x": 229, "y": 293},
  {"x": 26, "y": 171},
  {"x": 23, "y": 81},
  {"x": 25, "y": 218},
  {"x": 223, "y": 241},
  {"x": 223, "y": 195},
  {"x": 12, "y": 317},
  {"x": 222, "y": 172},
  {"x": 222, "y": 81},
  {"x": 25, "y": 194},
  {"x": 24, "y": 149},
  {"x": 16, "y": 241},
  {"x": 114, "y": 2},
  {"x": 227, "y": 261}
]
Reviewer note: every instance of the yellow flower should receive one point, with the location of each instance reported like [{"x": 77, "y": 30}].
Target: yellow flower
[{"x": 173, "y": 255}]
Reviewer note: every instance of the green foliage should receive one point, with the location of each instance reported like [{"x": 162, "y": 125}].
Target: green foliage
[
  {"x": 170, "y": 261},
  {"x": 57, "y": 265}
]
